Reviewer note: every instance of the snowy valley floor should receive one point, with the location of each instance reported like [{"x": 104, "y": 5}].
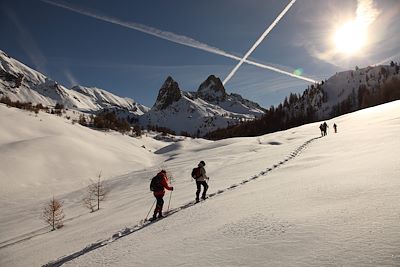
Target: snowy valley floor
[{"x": 333, "y": 201}]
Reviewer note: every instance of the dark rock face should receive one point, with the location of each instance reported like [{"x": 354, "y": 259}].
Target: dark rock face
[
  {"x": 168, "y": 94},
  {"x": 212, "y": 90},
  {"x": 8, "y": 77}
]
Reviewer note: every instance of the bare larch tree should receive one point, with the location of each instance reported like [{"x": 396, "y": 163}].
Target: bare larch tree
[
  {"x": 96, "y": 192},
  {"x": 53, "y": 213}
]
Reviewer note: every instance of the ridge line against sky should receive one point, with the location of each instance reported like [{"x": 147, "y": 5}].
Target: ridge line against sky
[
  {"x": 172, "y": 37},
  {"x": 259, "y": 40},
  {"x": 386, "y": 60}
]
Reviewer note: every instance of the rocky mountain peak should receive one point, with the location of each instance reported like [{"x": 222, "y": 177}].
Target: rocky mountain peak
[
  {"x": 212, "y": 90},
  {"x": 169, "y": 93}
]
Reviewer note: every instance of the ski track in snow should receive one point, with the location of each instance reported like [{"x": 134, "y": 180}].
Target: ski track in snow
[{"x": 145, "y": 223}]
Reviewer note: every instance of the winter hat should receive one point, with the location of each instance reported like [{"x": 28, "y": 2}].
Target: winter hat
[
  {"x": 202, "y": 163},
  {"x": 163, "y": 171}
]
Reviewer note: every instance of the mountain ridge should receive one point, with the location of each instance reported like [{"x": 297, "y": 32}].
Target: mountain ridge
[
  {"x": 197, "y": 113},
  {"x": 21, "y": 83},
  {"x": 210, "y": 108},
  {"x": 207, "y": 109}
]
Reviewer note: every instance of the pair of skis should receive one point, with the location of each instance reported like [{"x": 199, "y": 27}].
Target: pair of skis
[
  {"x": 151, "y": 220},
  {"x": 200, "y": 200}
]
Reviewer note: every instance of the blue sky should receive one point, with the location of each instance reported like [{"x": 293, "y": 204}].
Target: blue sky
[{"x": 62, "y": 41}]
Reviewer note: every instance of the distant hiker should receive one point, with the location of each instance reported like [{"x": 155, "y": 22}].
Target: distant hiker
[
  {"x": 157, "y": 185},
  {"x": 335, "y": 127},
  {"x": 199, "y": 174},
  {"x": 325, "y": 128},
  {"x": 321, "y": 127}
]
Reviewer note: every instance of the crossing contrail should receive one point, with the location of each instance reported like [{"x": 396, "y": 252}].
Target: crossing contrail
[
  {"x": 170, "y": 36},
  {"x": 258, "y": 42}
]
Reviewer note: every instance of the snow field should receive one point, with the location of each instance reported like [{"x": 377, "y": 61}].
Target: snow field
[{"x": 333, "y": 202}]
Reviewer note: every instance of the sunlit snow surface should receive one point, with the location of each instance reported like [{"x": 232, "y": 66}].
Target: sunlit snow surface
[{"x": 331, "y": 201}]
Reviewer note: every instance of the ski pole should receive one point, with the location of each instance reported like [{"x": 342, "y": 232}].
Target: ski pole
[
  {"x": 150, "y": 210},
  {"x": 169, "y": 202}
]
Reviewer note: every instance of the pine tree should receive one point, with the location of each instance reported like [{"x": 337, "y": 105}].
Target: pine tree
[{"x": 82, "y": 120}]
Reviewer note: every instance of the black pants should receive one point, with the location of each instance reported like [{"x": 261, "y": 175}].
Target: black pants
[
  {"x": 205, "y": 187},
  {"x": 159, "y": 205}
]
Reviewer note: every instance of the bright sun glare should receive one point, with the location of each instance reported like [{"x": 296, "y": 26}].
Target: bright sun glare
[{"x": 350, "y": 37}]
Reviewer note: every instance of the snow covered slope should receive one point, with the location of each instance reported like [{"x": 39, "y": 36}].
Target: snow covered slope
[
  {"x": 282, "y": 199},
  {"x": 343, "y": 84},
  {"x": 47, "y": 154},
  {"x": 19, "y": 82},
  {"x": 198, "y": 113},
  {"x": 342, "y": 93}
]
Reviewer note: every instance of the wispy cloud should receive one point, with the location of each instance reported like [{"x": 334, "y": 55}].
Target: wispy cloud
[
  {"x": 366, "y": 12},
  {"x": 26, "y": 41},
  {"x": 166, "y": 35},
  {"x": 258, "y": 42},
  {"x": 70, "y": 77}
]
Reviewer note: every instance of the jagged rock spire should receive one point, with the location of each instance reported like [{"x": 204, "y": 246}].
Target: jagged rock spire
[
  {"x": 212, "y": 90},
  {"x": 169, "y": 93}
]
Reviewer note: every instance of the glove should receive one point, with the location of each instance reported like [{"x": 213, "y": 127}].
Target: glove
[{"x": 172, "y": 188}]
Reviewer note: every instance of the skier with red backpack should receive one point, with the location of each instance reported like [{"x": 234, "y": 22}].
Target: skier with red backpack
[
  {"x": 157, "y": 185},
  {"x": 199, "y": 174}
]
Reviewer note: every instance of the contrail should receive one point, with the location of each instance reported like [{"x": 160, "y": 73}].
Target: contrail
[
  {"x": 180, "y": 39},
  {"x": 172, "y": 37},
  {"x": 280, "y": 71},
  {"x": 258, "y": 42},
  {"x": 386, "y": 60}
]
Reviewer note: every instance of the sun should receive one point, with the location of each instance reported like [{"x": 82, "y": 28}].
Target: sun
[{"x": 350, "y": 38}]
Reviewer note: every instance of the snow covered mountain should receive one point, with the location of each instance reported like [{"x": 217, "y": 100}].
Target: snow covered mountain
[
  {"x": 19, "y": 82},
  {"x": 212, "y": 90},
  {"x": 344, "y": 92},
  {"x": 194, "y": 113},
  {"x": 199, "y": 112},
  {"x": 210, "y": 107}
]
